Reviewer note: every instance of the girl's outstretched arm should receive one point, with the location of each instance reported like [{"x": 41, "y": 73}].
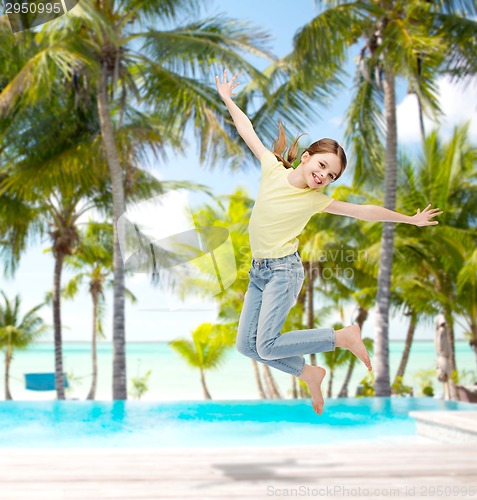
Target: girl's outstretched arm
[
  {"x": 381, "y": 214},
  {"x": 242, "y": 123}
]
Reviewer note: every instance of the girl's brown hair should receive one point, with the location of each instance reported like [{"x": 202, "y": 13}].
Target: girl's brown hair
[{"x": 321, "y": 146}]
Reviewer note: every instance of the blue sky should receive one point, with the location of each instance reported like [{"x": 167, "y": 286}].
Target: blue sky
[{"x": 35, "y": 274}]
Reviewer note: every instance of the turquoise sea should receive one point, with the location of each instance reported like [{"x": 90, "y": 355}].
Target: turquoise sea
[{"x": 172, "y": 379}]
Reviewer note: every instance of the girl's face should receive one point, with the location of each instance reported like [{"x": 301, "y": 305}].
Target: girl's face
[{"x": 320, "y": 169}]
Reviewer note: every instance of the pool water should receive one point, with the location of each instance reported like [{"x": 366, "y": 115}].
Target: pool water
[{"x": 85, "y": 424}]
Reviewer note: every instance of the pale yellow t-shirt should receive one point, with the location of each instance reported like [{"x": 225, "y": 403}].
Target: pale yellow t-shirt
[{"x": 281, "y": 211}]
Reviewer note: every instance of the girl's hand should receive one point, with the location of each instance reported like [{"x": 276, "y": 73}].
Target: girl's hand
[
  {"x": 225, "y": 89},
  {"x": 423, "y": 218}
]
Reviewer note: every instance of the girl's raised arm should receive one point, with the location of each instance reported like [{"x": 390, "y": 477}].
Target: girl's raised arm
[{"x": 242, "y": 123}]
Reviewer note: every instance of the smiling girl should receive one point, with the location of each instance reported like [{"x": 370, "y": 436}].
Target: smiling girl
[{"x": 286, "y": 200}]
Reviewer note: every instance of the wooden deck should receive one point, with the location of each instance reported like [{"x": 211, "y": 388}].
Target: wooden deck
[{"x": 377, "y": 470}]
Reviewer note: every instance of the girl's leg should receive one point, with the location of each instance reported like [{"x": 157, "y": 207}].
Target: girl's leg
[
  {"x": 278, "y": 297},
  {"x": 284, "y": 282},
  {"x": 247, "y": 331},
  {"x": 313, "y": 376},
  {"x": 247, "y": 335}
]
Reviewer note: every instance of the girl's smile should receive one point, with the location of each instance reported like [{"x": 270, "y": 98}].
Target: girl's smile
[{"x": 316, "y": 179}]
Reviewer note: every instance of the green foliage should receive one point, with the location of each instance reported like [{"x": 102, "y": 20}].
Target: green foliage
[
  {"x": 140, "y": 385},
  {"x": 207, "y": 347},
  {"x": 304, "y": 387},
  {"x": 428, "y": 391},
  {"x": 19, "y": 332},
  {"x": 424, "y": 379},
  {"x": 463, "y": 377},
  {"x": 400, "y": 389},
  {"x": 367, "y": 386},
  {"x": 335, "y": 359},
  {"x": 411, "y": 43}
]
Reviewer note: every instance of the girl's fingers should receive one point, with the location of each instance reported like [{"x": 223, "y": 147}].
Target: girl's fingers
[{"x": 224, "y": 81}]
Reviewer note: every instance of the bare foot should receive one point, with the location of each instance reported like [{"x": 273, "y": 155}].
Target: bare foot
[
  {"x": 313, "y": 376},
  {"x": 350, "y": 338}
]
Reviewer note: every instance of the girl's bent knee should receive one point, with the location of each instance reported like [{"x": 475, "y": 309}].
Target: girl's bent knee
[{"x": 264, "y": 353}]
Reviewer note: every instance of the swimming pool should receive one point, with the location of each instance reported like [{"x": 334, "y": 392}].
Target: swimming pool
[{"x": 84, "y": 424}]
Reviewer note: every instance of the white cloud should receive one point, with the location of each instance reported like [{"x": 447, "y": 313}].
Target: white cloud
[
  {"x": 337, "y": 120},
  {"x": 458, "y": 102}
]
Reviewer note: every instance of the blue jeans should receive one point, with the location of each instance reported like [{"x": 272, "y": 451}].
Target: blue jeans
[{"x": 273, "y": 290}]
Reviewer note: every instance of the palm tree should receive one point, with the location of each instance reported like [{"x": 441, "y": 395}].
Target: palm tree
[
  {"x": 413, "y": 302},
  {"x": 338, "y": 271},
  {"x": 41, "y": 171},
  {"x": 399, "y": 40},
  {"x": 467, "y": 290},
  {"x": 446, "y": 172},
  {"x": 17, "y": 332},
  {"x": 53, "y": 169},
  {"x": 205, "y": 351},
  {"x": 334, "y": 359},
  {"x": 110, "y": 48},
  {"x": 94, "y": 253},
  {"x": 232, "y": 214},
  {"x": 52, "y": 173},
  {"x": 410, "y": 251}
]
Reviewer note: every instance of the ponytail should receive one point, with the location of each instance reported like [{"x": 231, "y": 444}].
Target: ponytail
[
  {"x": 319, "y": 147},
  {"x": 279, "y": 146}
]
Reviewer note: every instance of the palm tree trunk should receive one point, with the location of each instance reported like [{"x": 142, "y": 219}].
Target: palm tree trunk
[
  {"x": 59, "y": 380},
  {"x": 421, "y": 118},
  {"x": 294, "y": 389},
  {"x": 452, "y": 391},
  {"x": 92, "y": 391},
  {"x": 8, "y": 358},
  {"x": 119, "y": 338},
  {"x": 419, "y": 103},
  {"x": 473, "y": 339},
  {"x": 452, "y": 344},
  {"x": 273, "y": 391},
  {"x": 204, "y": 386},
  {"x": 330, "y": 385},
  {"x": 382, "y": 386},
  {"x": 407, "y": 347},
  {"x": 344, "y": 388},
  {"x": 451, "y": 338},
  {"x": 261, "y": 391}
]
